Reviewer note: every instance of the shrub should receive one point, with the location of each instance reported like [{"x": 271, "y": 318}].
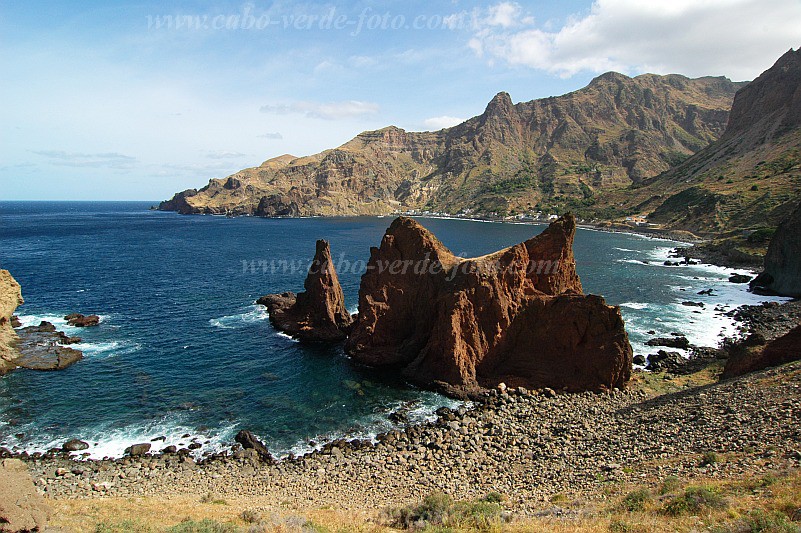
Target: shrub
[
  {"x": 124, "y": 526},
  {"x": 202, "y": 526},
  {"x": 774, "y": 522},
  {"x": 670, "y": 484},
  {"x": 438, "y": 511},
  {"x": 636, "y": 500},
  {"x": 694, "y": 500},
  {"x": 710, "y": 458}
]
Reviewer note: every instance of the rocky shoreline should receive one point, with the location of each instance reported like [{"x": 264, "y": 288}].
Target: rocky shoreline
[{"x": 578, "y": 443}]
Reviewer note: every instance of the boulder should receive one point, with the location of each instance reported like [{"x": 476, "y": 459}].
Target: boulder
[
  {"x": 249, "y": 441},
  {"x": 752, "y": 357},
  {"x": 74, "y": 445},
  {"x": 10, "y": 299},
  {"x": 517, "y": 316},
  {"x": 739, "y": 278},
  {"x": 137, "y": 450},
  {"x": 82, "y": 321},
  {"x": 782, "y": 272},
  {"x": 318, "y": 313},
  {"x": 15, "y": 323},
  {"x": 22, "y": 508},
  {"x": 680, "y": 342}
]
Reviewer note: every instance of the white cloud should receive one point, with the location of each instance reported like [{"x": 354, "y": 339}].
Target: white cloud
[
  {"x": 272, "y": 136},
  {"x": 99, "y": 160},
  {"x": 736, "y": 38},
  {"x": 506, "y": 15},
  {"x": 224, "y": 154},
  {"x": 324, "y": 110},
  {"x": 438, "y": 123}
]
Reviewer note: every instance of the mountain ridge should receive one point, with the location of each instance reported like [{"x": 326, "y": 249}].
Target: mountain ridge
[{"x": 545, "y": 154}]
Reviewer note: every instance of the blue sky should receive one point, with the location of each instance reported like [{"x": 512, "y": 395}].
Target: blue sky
[{"x": 137, "y": 100}]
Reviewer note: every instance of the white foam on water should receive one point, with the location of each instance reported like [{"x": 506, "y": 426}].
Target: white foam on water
[
  {"x": 285, "y": 336},
  {"x": 418, "y": 411},
  {"x": 635, "y": 305},
  {"x": 107, "y": 349},
  {"x": 623, "y": 249},
  {"x": 112, "y": 442},
  {"x": 254, "y": 314}
]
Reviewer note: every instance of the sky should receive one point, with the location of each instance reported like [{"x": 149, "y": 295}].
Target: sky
[{"x": 136, "y": 100}]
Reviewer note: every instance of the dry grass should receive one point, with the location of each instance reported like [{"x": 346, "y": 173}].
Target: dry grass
[{"x": 766, "y": 503}]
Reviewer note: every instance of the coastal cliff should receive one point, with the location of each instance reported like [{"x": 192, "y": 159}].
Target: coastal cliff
[
  {"x": 318, "y": 313},
  {"x": 10, "y": 299},
  {"x": 782, "y": 273},
  {"x": 548, "y": 154},
  {"x": 517, "y": 316}
]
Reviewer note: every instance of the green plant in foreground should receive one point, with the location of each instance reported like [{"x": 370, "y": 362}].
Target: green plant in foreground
[
  {"x": 710, "y": 458},
  {"x": 694, "y": 500},
  {"x": 438, "y": 512},
  {"x": 670, "y": 484},
  {"x": 775, "y": 522},
  {"x": 202, "y": 526},
  {"x": 636, "y": 500},
  {"x": 124, "y": 526}
]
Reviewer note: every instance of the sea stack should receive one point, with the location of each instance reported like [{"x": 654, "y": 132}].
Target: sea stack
[
  {"x": 318, "y": 313},
  {"x": 517, "y": 316},
  {"x": 10, "y": 299}
]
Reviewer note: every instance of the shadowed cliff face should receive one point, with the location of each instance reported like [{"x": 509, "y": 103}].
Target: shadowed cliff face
[
  {"x": 782, "y": 273},
  {"x": 610, "y": 134},
  {"x": 749, "y": 178},
  {"x": 516, "y": 316}
]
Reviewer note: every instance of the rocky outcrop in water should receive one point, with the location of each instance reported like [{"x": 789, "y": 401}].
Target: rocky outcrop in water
[
  {"x": 43, "y": 348},
  {"x": 318, "y": 313},
  {"x": 517, "y": 316},
  {"x": 782, "y": 273},
  {"x": 10, "y": 299},
  {"x": 82, "y": 321}
]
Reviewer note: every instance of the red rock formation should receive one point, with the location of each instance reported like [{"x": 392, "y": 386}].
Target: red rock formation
[
  {"x": 516, "y": 316},
  {"x": 777, "y": 352},
  {"x": 319, "y": 313}
]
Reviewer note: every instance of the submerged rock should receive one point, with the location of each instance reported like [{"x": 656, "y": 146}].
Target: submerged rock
[
  {"x": 318, "y": 313},
  {"x": 517, "y": 316}
]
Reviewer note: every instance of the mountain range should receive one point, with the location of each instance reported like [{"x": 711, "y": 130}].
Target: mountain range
[{"x": 706, "y": 155}]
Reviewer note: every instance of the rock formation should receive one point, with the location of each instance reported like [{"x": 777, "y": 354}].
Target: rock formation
[
  {"x": 517, "y": 316},
  {"x": 42, "y": 348},
  {"x": 318, "y": 313},
  {"x": 10, "y": 299},
  {"x": 22, "y": 508},
  {"x": 779, "y": 351},
  {"x": 82, "y": 321},
  {"x": 782, "y": 273},
  {"x": 532, "y": 155}
]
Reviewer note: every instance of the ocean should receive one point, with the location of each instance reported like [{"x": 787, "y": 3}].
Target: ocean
[{"x": 183, "y": 352}]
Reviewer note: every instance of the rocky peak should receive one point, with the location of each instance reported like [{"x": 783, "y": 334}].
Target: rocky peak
[
  {"x": 515, "y": 316},
  {"x": 770, "y": 103},
  {"x": 319, "y": 313}
]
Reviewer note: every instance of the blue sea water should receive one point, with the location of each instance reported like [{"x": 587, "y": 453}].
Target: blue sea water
[{"x": 182, "y": 349}]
